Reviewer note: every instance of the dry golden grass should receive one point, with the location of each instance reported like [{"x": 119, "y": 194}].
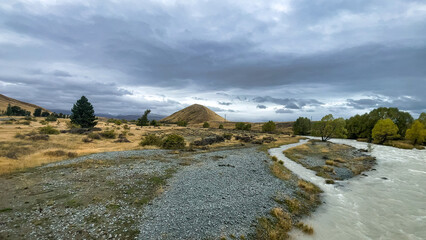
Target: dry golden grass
[
  {"x": 35, "y": 153},
  {"x": 308, "y": 187},
  {"x": 279, "y": 171},
  {"x": 305, "y": 228},
  {"x": 276, "y": 228}
]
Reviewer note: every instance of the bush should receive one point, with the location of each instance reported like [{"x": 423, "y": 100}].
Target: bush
[
  {"x": 242, "y": 126},
  {"x": 48, "y": 130},
  {"x": 182, "y": 123},
  {"x": 174, "y": 141},
  {"x": 151, "y": 140},
  {"x": 51, "y": 118},
  {"x": 108, "y": 134},
  {"x": 206, "y": 125},
  {"x": 43, "y": 122},
  {"x": 93, "y": 135},
  {"x": 154, "y": 123},
  {"x": 126, "y": 127},
  {"x": 221, "y": 126},
  {"x": 269, "y": 127},
  {"x": 227, "y": 136}
]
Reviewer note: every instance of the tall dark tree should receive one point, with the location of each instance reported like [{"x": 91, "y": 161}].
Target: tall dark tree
[
  {"x": 83, "y": 113},
  {"x": 302, "y": 126},
  {"x": 37, "y": 112},
  {"x": 143, "y": 121},
  {"x": 9, "y": 110}
]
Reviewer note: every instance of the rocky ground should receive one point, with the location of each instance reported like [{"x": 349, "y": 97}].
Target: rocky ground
[{"x": 148, "y": 194}]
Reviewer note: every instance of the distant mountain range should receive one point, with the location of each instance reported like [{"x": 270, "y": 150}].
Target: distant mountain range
[{"x": 151, "y": 116}]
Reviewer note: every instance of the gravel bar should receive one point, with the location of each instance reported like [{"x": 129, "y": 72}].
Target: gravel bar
[{"x": 222, "y": 195}]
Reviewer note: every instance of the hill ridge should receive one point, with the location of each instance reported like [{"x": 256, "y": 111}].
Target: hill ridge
[
  {"x": 196, "y": 113},
  {"x": 5, "y": 100}
]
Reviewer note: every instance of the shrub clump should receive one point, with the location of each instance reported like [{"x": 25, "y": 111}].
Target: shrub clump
[
  {"x": 206, "y": 125},
  {"x": 182, "y": 123},
  {"x": 93, "y": 135},
  {"x": 173, "y": 141},
  {"x": 48, "y": 130},
  {"x": 51, "y": 118},
  {"x": 243, "y": 126},
  {"x": 269, "y": 127},
  {"x": 110, "y": 134},
  {"x": 221, "y": 126},
  {"x": 152, "y": 140},
  {"x": 227, "y": 136}
]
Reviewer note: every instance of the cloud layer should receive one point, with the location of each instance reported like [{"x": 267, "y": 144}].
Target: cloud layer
[{"x": 255, "y": 60}]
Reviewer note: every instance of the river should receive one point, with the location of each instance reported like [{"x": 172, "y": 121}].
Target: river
[{"x": 389, "y": 203}]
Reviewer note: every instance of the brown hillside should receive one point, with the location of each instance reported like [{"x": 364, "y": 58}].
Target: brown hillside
[
  {"x": 4, "y": 101},
  {"x": 195, "y": 113}
]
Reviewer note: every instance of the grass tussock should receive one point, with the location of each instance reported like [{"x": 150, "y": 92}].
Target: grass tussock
[
  {"x": 279, "y": 171},
  {"x": 48, "y": 130},
  {"x": 308, "y": 187},
  {"x": 60, "y": 153},
  {"x": 305, "y": 228},
  {"x": 275, "y": 228}
]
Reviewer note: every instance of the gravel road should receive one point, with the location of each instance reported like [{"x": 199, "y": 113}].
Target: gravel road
[{"x": 222, "y": 195}]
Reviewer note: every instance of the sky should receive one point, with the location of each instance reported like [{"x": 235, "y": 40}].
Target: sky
[{"x": 251, "y": 60}]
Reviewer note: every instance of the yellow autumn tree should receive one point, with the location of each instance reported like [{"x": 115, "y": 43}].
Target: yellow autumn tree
[
  {"x": 384, "y": 129},
  {"x": 416, "y": 133}
]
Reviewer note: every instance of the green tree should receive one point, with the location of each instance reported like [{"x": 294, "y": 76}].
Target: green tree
[
  {"x": 143, "y": 121},
  {"x": 206, "y": 125},
  {"x": 37, "y": 112},
  {"x": 402, "y": 119},
  {"x": 416, "y": 133},
  {"x": 422, "y": 118},
  {"x": 329, "y": 127},
  {"x": 83, "y": 113},
  {"x": 357, "y": 127},
  {"x": 153, "y": 123},
  {"x": 45, "y": 114},
  {"x": 302, "y": 126},
  {"x": 384, "y": 129},
  {"x": 9, "y": 110},
  {"x": 269, "y": 126},
  {"x": 221, "y": 126}
]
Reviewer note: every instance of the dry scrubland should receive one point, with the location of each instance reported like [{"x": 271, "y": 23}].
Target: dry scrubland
[{"x": 18, "y": 154}]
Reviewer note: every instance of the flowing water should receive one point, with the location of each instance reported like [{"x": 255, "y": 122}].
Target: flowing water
[{"x": 389, "y": 203}]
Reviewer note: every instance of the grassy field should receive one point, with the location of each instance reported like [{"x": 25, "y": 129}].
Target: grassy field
[{"x": 17, "y": 152}]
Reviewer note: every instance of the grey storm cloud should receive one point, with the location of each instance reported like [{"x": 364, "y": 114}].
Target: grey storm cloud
[
  {"x": 323, "y": 50},
  {"x": 290, "y": 103},
  {"x": 225, "y": 103},
  {"x": 260, "y": 106},
  {"x": 283, "y": 111}
]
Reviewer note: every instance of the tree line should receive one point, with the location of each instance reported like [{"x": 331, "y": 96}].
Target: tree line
[
  {"x": 377, "y": 126},
  {"x": 38, "y": 112}
]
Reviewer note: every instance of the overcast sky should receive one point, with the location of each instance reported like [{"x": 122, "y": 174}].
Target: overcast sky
[{"x": 251, "y": 60}]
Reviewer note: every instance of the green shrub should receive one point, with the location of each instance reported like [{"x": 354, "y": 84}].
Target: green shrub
[
  {"x": 43, "y": 122},
  {"x": 51, "y": 118},
  {"x": 227, "y": 136},
  {"x": 174, "y": 141},
  {"x": 206, "y": 125},
  {"x": 151, "y": 140},
  {"x": 126, "y": 127},
  {"x": 48, "y": 130},
  {"x": 221, "y": 126},
  {"x": 108, "y": 134},
  {"x": 182, "y": 123},
  {"x": 269, "y": 127},
  {"x": 93, "y": 135},
  {"x": 242, "y": 126}
]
